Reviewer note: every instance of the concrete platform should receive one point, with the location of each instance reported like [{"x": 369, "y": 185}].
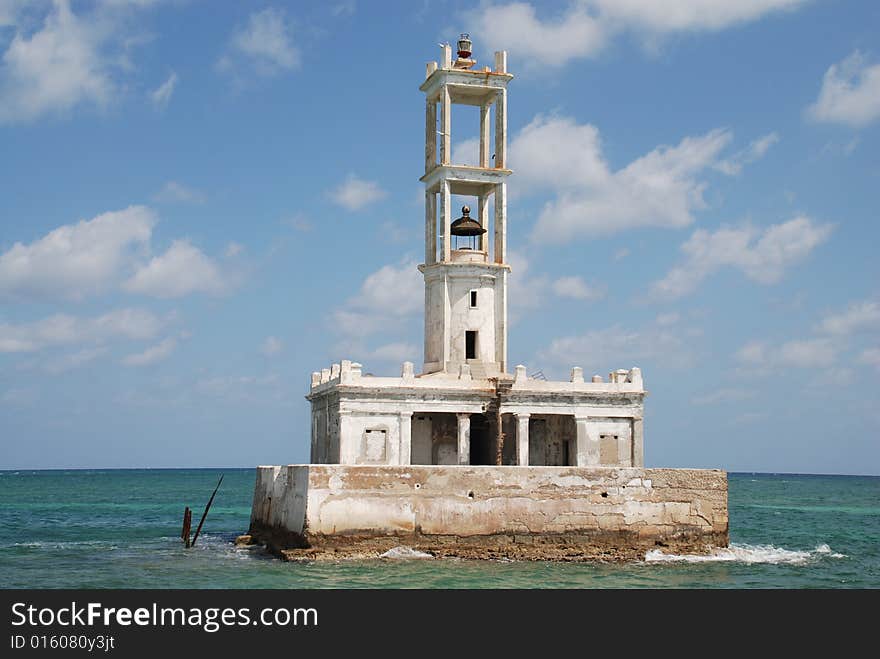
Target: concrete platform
[{"x": 556, "y": 513}]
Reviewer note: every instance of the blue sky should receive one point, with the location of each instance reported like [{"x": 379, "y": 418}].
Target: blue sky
[{"x": 203, "y": 202}]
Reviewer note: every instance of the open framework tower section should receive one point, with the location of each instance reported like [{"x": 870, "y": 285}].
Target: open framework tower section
[{"x": 466, "y": 285}]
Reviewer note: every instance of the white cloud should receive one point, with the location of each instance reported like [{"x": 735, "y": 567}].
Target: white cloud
[
  {"x": 271, "y": 346},
  {"x": 870, "y": 356},
  {"x": 153, "y": 354},
  {"x": 754, "y": 151},
  {"x": 857, "y": 317},
  {"x": 801, "y": 353},
  {"x": 585, "y": 27},
  {"x": 54, "y": 69},
  {"x": 762, "y": 255},
  {"x": 174, "y": 192},
  {"x": 577, "y": 289},
  {"x": 64, "y": 329},
  {"x": 517, "y": 27},
  {"x": 723, "y": 396},
  {"x": 355, "y": 193},
  {"x": 75, "y": 260},
  {"x": 266, "y": 43},
  {"x": 850, "y": 93},
  {"x": 667, "y": 319},
  {"x": 663, "y": 188},
  {"x": 249, "y": 389},
  {"x": 74, "y": 360},
  {"x": 161, "y": 96},
  {"x": 600, "y": 351},
  {"x": 621, "y": 253},
  {"x": 688, "y": 15},
  {"x": 181, "y": 270},
  {"x": 397, "y": 353},
  {"x": 388, "y": 295},
  {"x": 233, "y": 249}
]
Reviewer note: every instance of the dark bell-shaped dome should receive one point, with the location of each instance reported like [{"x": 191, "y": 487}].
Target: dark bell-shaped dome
[{"x": 466, "y": 225}]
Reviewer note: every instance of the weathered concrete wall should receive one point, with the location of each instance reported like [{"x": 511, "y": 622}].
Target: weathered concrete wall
[{"x": 628, "y": 508}]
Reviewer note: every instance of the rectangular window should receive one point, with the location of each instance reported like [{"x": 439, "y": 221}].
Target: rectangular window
[
  {"x": 473, "y": 299},
  {"x": 470, "y": 345}
]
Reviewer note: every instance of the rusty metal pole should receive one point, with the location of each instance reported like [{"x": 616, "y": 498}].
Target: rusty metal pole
[
  {"x": 187, "y": 525},
  {"x": 205, "y": 514}
]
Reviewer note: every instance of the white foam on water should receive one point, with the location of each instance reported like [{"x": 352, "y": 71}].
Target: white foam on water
[
  {"x": 405, "y": 553},
  {"x": 749, "y": 554}
]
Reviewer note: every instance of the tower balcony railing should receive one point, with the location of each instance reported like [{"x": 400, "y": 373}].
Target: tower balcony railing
[{"x": 469, "y": 256}]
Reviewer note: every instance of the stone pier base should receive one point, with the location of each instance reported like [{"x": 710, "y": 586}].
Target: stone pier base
[{"x": 306, "y": 512}]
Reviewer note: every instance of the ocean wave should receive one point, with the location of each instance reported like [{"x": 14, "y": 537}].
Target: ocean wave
[
  {"x": 738, "y": 553},
  {"x": 73, "y": 544},
  {"x": 405, "y": 553}
]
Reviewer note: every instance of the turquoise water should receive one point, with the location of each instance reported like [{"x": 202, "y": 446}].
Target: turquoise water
[{"x": 119, "y": 529}]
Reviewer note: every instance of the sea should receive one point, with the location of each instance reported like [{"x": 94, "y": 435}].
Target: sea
[{"x": 121, "y": 529}]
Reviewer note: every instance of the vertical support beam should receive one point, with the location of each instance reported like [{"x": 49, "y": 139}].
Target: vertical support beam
[
  {"x": 349, "y": 446},
  {"x": 501, "y": 129},
  {"x": 445, "y": 221},
  {"x": 500, "y": 61},
  {"x": 485, "y": 141},
  {"x": 587, "y": 443},
  {"x": 430, "y": 135},
  {"x": 464, "y": 438},
  {"x": 638, "y": 442},
  {"x": 430, "y": 228},
  {"x": 446, "y": 56},
  {"x": 405, "y": 438},
  {"x": 482, "y": 218},
  {"x": 445, "y": 126},
  {"x": 501, "y": 320},
  {"x": 500, "y": 223},
  {"x": 522, "y": 440}
]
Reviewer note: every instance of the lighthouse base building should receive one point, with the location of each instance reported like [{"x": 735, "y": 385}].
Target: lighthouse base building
[{"x": 469, "y": 457}]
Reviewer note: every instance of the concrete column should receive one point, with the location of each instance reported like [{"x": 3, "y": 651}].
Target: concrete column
[
  {"x": 349, "y": 446},
  {"x": 405, "y": 438},
  {"x": 485, "y": 140},
  {"x": 445, "y": 126},
  {"x": 464, "y": 438},
  {"x": 587, "y": 443},
  {"x": 501, "y": 129},
  {"x": 638, "y": 439},
  {"x": 522, "y": 440},
  {"x": 430, "y": 228},
  {"x": 430, "y": 134},
  {"x": 501, "y": 223},
  {"x": 446, "y": 221},
  {"x": 482, "y": 218}
]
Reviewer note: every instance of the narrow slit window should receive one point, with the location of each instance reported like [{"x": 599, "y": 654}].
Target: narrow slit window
[
  {"x": 473, "y": 299},
  {"x": 470, "y": 345}
]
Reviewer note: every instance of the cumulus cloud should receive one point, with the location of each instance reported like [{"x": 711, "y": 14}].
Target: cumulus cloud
[
  {"x": 800, "y": 353},
  {"x": 355, "y": 193},
  {"x": 663, "y": 188},
  {"x": 68, "y": 61},
  {"x": 64, "y": 329},
  {"x": 161, "y": 96},
  {"x": 271, "y": 346},
  {"x": 397, "y": 352},
  {"x": 75, "y": 260},
  {"x": 392, "y": 293},
  {"x": 870, "y": 356},
  {"x": 183, "y": 269},
  {"x": 553, "y": 41},
  {"x": 762, "y": 255},
  {"x": 601, "y": 351},
  {"x": 577, "y": 289},
  {"x": 859, "y": 316},
  {"x": 74, "y": 360},
  {"x": 174, "y": 192},
  {"x": 754, "y": 151},
  {"x": 585, "y": 27},
  {"x": 265, "y": 43},
  {"x": 850, "y": 93},
  {"x": 153, "y": 354}
]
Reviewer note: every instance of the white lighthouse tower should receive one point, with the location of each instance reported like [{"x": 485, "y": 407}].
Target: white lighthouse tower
[
  {"x": 472, "y": 456},
  {"x": 465, "y": 268}
]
